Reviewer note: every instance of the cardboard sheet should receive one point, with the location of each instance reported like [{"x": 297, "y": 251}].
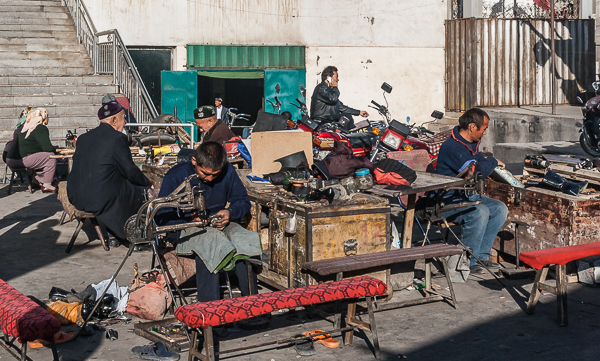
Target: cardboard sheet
[{"x": 268, "y": 146}]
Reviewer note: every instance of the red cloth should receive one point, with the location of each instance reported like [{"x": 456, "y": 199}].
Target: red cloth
[
  {"x": 221, "y": 312},
  {"x": 22, "y": 318},
  {"x": 544, "y": 4},
  {"x": 560, "y": 255}
]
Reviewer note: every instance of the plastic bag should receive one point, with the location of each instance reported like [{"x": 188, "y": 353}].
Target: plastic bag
[{"x": 66, "y": 313}]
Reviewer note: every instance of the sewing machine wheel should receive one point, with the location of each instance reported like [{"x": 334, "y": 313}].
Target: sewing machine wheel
[{"x": 133, "y": 232}]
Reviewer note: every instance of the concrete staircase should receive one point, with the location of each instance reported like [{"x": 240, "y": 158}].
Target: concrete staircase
[{"x": 42, "y": 64}]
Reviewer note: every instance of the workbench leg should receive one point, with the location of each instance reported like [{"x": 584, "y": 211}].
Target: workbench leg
[
  {"x": 373, "y": 328},
  {"x": 209, "y": 344},
  {"x": 561, "y": 294},
  {"x": 447, "y": 273},
  {"x": 428, "y": 277},
  {"x": 350, "y": 319},
  {"x": 338, "y": 305},
  {"x": 409, "y": 217},
  {"x": 534, "y": 297},
  {"x": 24, "y": 351}
]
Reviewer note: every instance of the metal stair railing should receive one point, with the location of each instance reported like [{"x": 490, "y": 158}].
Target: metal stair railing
[{"x": 110, "y": 56}]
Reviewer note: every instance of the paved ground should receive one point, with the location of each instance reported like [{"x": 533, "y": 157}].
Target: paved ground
[{"x": 489, "y": 325}]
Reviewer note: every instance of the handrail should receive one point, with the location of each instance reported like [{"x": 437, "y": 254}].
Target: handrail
[{"x": 112, "y": 57}]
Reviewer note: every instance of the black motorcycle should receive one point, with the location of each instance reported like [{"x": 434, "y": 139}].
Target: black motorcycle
[{"x": 590, "y": 130}]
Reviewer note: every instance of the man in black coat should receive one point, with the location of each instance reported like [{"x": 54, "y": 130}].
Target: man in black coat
[
  {"x": 104, "y": 180},
  {"x": 325, "y": 104}
]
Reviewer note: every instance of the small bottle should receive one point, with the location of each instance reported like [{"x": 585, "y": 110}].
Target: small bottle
[
  {"x": 349, "y": 184},
  {"x": 363, "y": 179}
]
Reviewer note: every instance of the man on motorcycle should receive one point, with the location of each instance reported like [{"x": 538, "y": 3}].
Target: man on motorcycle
[
  {"x": 481, "y": 222},
  {"x": 325, "y": 104}
]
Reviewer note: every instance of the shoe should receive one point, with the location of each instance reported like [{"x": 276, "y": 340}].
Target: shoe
[
  {"x": 304, "y": 347},
  {"x": 490, "y": 264},
  {"x": 476, "y": 270},
  {"x": 48, "y": 190},
  {"x": 89, "y": 292}
]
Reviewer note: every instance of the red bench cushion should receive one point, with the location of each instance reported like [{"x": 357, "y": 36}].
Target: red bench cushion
[
  {"x": 22, "y": 318},
  {"x": 560, "y": 255},
  {"x": 221, "y": 312}
]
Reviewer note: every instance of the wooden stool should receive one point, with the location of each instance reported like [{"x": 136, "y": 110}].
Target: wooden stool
[
  {"x": 81, "y": 217},
  {"x": 26, "y": 179}
]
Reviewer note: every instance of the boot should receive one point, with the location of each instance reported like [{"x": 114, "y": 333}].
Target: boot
[
  {"x": 554, "y": 180},
  {"x": 89, "y": 292}
]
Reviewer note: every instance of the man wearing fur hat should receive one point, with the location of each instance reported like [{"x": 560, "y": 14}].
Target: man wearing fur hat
[{"x": 104, "y": 180}]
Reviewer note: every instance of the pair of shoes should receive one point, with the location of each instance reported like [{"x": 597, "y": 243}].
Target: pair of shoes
[
  {"x": 476, "y": 270},
  {"x": 325, "y": 339},
  {"x": 490, "y": 264},
  {"x": 48, "y": 190},
  {"x": 155, "y": 351}
]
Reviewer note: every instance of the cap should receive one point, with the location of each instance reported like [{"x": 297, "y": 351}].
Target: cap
[
  {"x": 108, "y": 98},
  {"x": 219, "y": 99},
  {"x": 204, "y": 111},
  {"x": 109, "y": 109}
]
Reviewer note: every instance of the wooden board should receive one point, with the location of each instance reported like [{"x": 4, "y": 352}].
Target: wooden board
[{"x": 269, "y": 146}]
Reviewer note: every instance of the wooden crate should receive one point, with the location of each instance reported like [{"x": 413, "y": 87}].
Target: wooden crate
[{"x": 320, "y": 234}]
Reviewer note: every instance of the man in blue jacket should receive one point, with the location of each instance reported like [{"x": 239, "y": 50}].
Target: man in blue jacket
[
  {"x": 480, "y": 223},
  {"x": 216, "y": 247}
]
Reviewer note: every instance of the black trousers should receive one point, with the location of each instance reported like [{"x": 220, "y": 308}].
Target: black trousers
[{"x": 208, "y": 283}]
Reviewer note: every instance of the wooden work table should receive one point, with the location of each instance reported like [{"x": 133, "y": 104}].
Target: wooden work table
[{"x": 425, "y": 182}]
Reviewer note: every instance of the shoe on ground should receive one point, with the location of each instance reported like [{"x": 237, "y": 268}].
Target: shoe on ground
[
  {"x": 49, "y": 189},
  {"x": 490, "y": 264},
  {"x": 476, "y": 270},
  {"x": 305, "y": 347}
]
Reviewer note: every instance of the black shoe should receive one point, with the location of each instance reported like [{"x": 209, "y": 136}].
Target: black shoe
[
  {"x": 490, "y": 264},
  {"x": 477, "y": 270},
  {"x": 89, "y": 292}
]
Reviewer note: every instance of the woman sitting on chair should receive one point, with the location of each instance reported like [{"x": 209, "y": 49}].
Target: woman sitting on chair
[
  {"x": 32, "y": 149},
  {"x": 18, "y": 128}
]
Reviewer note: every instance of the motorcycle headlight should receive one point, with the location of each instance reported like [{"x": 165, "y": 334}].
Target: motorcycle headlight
[{"x": 392, "y": 141}]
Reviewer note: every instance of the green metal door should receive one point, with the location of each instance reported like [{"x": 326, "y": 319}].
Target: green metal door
[
  {"x": 289, "y": 83},
  {"x": 180, "y": 89}
]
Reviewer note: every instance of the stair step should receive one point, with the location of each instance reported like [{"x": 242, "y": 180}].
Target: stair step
[
  {"x": 57, "y": 134},
  {"x": 53, "y": 34},
  {"x": 32, "y": 2},
  {"x": 58, "y": 121},
  {"x": 39, "y": 21},
  {"x": 53, "y": 110},
  {"x": 77, "y": 61},
  {"x": 56, "y": 80},
  {"x": 21, "y": 90},
  {"x": 72, "y": 40},
  {"x": 33, "y": 15},
  {"x": 51, "y": 99},
  {"x": 7, "y": 48},
  {"x": 28, "y": 7},
  {"x": 37, "y": 27},
  {"x": 88, "y": 70},
  {"x": 43, "y": 55}
]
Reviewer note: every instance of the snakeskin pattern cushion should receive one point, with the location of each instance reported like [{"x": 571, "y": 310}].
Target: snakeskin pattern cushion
[
  {"x": 22, "y": 318},
  {"x": 221, "y": 312}
]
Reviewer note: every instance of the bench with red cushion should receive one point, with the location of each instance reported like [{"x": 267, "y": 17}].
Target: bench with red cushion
[
  {"x": 206, "y": 315},
  {"x": 542, "y": 259},
  {"x": 24, "y": 319}
]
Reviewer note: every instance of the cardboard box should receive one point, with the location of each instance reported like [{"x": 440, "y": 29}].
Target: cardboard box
[
  {"x": 588, "y": 270},
  {"x": 269, "y": 146}
]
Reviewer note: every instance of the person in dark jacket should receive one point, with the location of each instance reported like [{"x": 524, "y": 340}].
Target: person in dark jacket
[
  {"x": 480, "y": 223},
  {"x": 226, "y": 200},
  {"x": 213, "y": 130},
  {"x": 104, "y": 179},
  {"x": 325, "y": 104},
  {"x": 221, "y": 110}
]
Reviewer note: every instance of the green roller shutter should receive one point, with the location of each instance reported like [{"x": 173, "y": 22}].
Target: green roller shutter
[{"x": 245, "y": 57}]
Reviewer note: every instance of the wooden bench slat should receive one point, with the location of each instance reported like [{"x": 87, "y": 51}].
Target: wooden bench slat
[{"x": 359, "y": 262}]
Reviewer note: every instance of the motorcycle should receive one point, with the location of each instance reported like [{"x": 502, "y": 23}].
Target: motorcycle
[
  {"x": 396, "y": 136},
  {"x": 590, "y": 129}
]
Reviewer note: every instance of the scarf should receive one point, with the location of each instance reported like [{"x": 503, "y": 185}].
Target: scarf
[{"x": 35, "y": 117}]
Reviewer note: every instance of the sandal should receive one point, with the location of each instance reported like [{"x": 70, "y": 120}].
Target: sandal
[
  {"x": 325, "y": 339},
  {"x": 157, "y": 351},
  {"x": 304, "y": 347}
]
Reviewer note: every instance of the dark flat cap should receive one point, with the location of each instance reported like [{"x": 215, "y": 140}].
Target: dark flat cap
[
  {"x": 109, "y": 109},
  {"x": 205, "y": 111}
]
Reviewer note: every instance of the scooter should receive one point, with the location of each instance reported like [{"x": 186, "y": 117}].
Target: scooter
[
  {"x": 590, "y": 129},
  {"x": 397, "y": 136}
]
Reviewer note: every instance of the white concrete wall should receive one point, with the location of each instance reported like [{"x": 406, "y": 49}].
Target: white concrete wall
[{"x": 370, "y": 41}]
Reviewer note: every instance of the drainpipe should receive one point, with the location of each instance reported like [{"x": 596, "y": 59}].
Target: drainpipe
[{"x": 552, "y": 56}]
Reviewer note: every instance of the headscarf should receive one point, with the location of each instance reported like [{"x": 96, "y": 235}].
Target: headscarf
[
  {"x": 35, "y": 117},
  {"x": 23, "y": 117}
]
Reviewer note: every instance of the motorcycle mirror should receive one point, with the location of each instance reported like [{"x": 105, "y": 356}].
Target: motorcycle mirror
[
  {"x": 386, "y": 87},
  {"x": 579, "y": 100},
  {"x": 437, "y": 114},
  {"x": 277, "y": 88},
  {"x": 596, "y": 85},
  {"x": 344, "y": 121}
]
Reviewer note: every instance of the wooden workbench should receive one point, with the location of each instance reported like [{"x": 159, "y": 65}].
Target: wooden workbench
[{"x": 321, "y": 231}]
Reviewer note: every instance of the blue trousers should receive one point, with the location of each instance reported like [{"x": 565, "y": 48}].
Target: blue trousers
[
  {"x": 480, "y": 223},
  {"x": 207, "y": 283}
]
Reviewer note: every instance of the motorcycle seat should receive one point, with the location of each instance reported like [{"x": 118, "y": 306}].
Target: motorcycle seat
[{"x": 362, "y": 140}]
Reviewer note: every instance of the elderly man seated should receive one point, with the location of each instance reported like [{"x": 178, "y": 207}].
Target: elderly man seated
[
  {"x": 218, "y": 246},
  {"x": 213, "y": 129},
  {"x": 104, "y": 179}
]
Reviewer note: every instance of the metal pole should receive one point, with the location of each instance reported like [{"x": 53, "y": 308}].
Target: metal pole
[{"x": 552, "y": 56}]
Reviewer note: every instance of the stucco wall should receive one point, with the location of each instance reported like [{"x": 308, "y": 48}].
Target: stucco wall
[{"x": 370, "y": 41}]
